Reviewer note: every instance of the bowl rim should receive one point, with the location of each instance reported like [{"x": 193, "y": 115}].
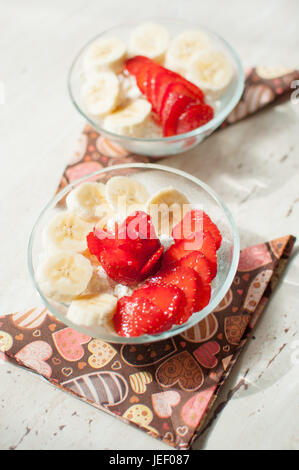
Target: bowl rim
[
  {"x": 210, "y": 126},
  {"x": 196, "y": 316}
]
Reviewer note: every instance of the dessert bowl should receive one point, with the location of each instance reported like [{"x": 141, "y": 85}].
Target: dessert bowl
[
  {"x": 161, "y": 146},
  {"x": 153, "y": 178}
]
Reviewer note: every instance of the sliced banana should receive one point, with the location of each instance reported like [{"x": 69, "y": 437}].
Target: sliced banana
[
  {"x": 101, "y": 93},
  {"x": 67, "y": 231},
  {"x": 183, "y": 48},
  {"x": 166, "y": 208},
  {"x": 88, "y": 201},
  {"x": 126, "y": 194},
  {"x": 93, "y": 311},
  {"x": 150, "y": 40},
  {"x": 130, "y": 120},
  {"x": 272, "y": 72},
  {"x": 211, "y": 71},
  {"x": 64, "y": 275},
  {"x": 104, "y": 54}
]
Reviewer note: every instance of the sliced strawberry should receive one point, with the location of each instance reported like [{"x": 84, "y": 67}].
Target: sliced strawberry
[
  {"x": 137, "y": 234},
  {"x": 196, "y": 221},
  {"x": 153, "y": 80},
  {"x": 139, "y": 316},
  {"x": 195, "y": 116},
  {"x": 188, "y": 281},
  {"x": 93, "y": 244},
  {"x": 203, "y": 242},
  {"x": 194, "y": 89},
  {"x": 153, "y": 264},
  {"x": 153, "y": 71},
  {"x": 139, "y": 66},
  {"x": 135, "y": 64},
  {"x": 121, "y": 266},
  {"x": 172, "y": 108},
  {"x": 197, "y": 261},
  {"x": 96, "y": 244},
  {"x": 175, "y": 252},
  {"x": 177, "y": 89},
  {"x": 169, "y": 299}
]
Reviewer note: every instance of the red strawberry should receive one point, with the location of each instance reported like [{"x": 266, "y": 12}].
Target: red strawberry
[
  {"x": 174, "y": 105},
  {"x": 195, "y": 116},
  {"x": 188, "y": 281},
  {"x": 93, "y": 244},
  {"x": 139, "y": 316},
  {"x": 137, "y": 234},
  {"x": 197, "y": 261},
  {"x": 121, "y": 266},
  {"x": 170, "y": 95},
  {"x": 203, "y": 242},
  {"x": 196, "y": 221},
  {"x": 132, "y": 253},
  {"x": 169, "y": 299},
  {"x": 140, "y": 65},
  {"x": 153, "y": 264}
]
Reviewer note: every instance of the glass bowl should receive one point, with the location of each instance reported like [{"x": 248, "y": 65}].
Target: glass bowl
[
  {"x": 154, "y": 177},
  {"x": 164, "y": 146}
]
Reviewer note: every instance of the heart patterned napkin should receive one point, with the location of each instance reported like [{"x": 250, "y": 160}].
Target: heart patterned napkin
[{"x": 165, "y": 388}]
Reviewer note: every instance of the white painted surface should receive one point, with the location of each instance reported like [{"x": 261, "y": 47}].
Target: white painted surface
[{"x": 253, "y": 166}]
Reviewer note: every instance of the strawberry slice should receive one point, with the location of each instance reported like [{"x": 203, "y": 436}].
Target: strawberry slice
[
  {"x": 188, "y": 281},
  {"x": 174, "y": 105},
  {"x": 132, "y": 254},
  {"x": 153, "y": 264},
  {"x": 137, "y": 234},
  {"x": 97, "y": 244},
  {"x": 135, "y": 64},
  {"x": 177, "y": 88},
  {"x": 197, "y": 261},
  {"x": 153, "y": 80},
  {"x": 169, "y": 299},
  {"x": 165, "y": 78},
  {"x": 195, "y": 116},
  {"x": 139, "y": 66},
  {"x": 138, "y": 316},
  {"x": 203, "y": 242},
  {"x": 196, "y": 221},
  {"x": 121, "y": 266}
]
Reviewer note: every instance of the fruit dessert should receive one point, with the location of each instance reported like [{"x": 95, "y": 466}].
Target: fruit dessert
[
  {"x": 155, "y": 85},
  {"x": 127, "y": 261}
]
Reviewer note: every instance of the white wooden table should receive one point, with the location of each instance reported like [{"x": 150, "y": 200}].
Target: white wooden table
[{"x": 254, "y": 167}]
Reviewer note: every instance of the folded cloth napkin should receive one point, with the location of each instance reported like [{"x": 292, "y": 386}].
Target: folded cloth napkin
[{"x": 164, "y": 388}]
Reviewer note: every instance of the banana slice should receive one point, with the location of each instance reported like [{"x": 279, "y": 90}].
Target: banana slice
[
  {"x": 150, "y": 40},
  {"x": 101, "y": 93},
  {"x": 211, "y": 71},
  {"x": 66, "y": 231},
  {"x": 166, "y": 208},
  {"x": 64, "y": 275},
  {"x": 130, "y": 120},
  {"x": 183, "y": 48},
  {"x": 94, "y": 311},
  {"x": 126, "y": 194},
  {"x": 88, "y": 201},
  {"x": 104, "y": 54}
]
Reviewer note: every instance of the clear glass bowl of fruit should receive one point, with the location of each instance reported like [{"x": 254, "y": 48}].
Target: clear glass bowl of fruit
[
  {"x": 157, "y": 87},
  {"x": 125, "y": 256}
]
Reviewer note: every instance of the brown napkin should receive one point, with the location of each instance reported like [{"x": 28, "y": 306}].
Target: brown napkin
[{"x": 165, "y": 388}]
